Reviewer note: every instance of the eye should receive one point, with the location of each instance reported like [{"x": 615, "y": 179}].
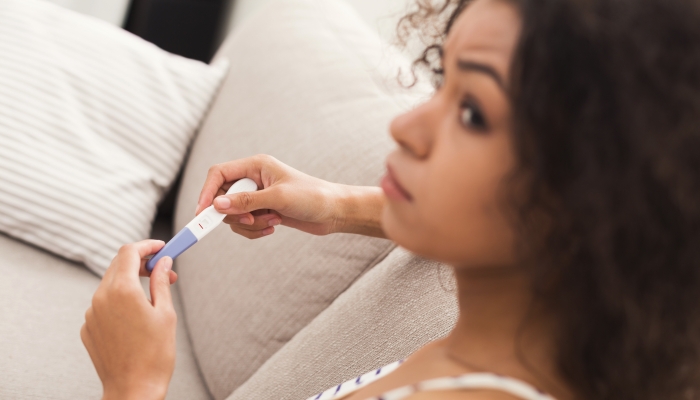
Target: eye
[{"x": 471, "y": 116}]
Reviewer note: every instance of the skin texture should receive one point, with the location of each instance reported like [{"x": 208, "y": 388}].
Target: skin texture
[
  {"x": 454, "y": 154},
  {"x": 453, "y": 168},
  {"x": 441, "y": 199},
  {"x": 130, "y": 339},
  {"x": 290, "y": 198}
]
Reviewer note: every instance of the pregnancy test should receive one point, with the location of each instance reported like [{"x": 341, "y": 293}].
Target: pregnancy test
[{"x": 199, "y": 227}]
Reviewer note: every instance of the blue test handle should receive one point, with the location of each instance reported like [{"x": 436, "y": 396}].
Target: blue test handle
[
  {"x": 200, "y": 226},
  {"x": 176, "y": 246}
]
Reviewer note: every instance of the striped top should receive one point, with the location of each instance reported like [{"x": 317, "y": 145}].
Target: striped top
[{"x": 472, "y": 381}]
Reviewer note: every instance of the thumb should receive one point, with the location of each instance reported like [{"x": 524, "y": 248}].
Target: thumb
[
  {"x": 245, "y": 202},
  {"x": 160, "y": 283}
]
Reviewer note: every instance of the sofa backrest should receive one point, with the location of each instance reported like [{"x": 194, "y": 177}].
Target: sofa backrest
[
  {"x": 390, "y": 312},
  {"x": 380, "y": 16},
  {"x": 312, "y": 85}
]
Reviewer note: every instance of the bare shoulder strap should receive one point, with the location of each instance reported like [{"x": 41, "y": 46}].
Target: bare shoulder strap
[{"x": 474, "y": 381}]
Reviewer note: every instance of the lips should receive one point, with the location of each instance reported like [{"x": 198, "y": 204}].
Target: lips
[{"x": 392, "y": 188}]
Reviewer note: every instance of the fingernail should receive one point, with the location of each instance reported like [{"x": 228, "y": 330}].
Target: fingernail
[
  {"x": 168, "y": 263},
  {"x": 222, "y": 202},
  {"x": 268, "y": 231},
  {"x": 274, "y": 222},
  {"x": 245, "y": 221}
]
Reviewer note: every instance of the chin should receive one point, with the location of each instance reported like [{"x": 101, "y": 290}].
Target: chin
[
  {"x": 395, "y": 228},
  {"x": 405, "y": 235},
  {"x": 412, "y": 236}
]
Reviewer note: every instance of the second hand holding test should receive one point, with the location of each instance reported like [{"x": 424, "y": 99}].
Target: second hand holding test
[{"x": 199, "y": 227}]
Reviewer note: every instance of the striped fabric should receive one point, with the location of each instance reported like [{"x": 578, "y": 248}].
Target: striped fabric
[
  {"x": 353, "y": 385},
  {"x": 471, "y": 381},
  {"x": 94, "y": 125}
]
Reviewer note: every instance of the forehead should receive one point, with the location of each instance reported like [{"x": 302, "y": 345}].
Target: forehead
[{"x": 486, "y": 31}]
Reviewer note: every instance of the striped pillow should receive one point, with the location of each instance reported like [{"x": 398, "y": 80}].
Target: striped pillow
[{"x": 94, "y": 126}]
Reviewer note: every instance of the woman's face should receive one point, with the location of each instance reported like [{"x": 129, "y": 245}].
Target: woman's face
[{"x": 444, "y": 182}]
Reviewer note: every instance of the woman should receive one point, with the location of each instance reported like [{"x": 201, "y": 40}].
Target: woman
[{"x": 557, "y": 168}]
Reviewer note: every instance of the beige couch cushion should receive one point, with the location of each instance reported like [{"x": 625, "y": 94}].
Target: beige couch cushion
[
  {"x": 310, "y": 84},
  {"x": 43, "y": 300},
  {"x": 394, "y": 309}
]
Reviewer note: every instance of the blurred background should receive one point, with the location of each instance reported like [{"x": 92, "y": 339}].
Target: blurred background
[
  {"x": 191, "y": 28},
  {"x": 196, "y": 28}
]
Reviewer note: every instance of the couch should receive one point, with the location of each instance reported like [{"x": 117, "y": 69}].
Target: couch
[{"x": 286, "y": 316}]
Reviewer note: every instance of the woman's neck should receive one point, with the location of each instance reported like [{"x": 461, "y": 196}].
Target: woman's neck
[{"x": 501, "y": 329}]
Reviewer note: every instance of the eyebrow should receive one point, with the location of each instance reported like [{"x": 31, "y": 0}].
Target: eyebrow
[{"x": 466, "y": 65}]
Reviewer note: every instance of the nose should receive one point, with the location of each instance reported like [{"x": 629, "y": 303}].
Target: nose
[{"x": 413, "y": 130}]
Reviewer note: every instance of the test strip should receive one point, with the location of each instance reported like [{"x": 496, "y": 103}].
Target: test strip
[{"x": 199, "y": 227}]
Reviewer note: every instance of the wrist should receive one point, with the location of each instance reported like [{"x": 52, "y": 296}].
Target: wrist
[
  {"x": 143, "y": 392},
  {"x": 359, "y": 210}
]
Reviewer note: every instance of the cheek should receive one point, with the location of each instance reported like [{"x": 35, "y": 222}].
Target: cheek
[{"x": 456, "y": 217}]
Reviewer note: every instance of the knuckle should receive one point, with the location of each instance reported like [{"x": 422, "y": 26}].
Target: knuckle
[
  {"x": 127, "y": 248},
  {"x": 245, "y": 200},
  {"x": 258, "y": 224},
  {"x": 237, "y": 230},
  {"x": 242, "y": 232},
  {"x": 165, "y": 278},
  {"x": 250, "y": 231},
  {"x": 265, "y": 159},
  {"x": 83, "y": 334},
  {"x": 248, "y": 235},
  {"x": 88, "y": 315},
  {"x": 98, "y": 300},
  {"x": 120, "y": 291},
  {"x": 214, "y": 169}
]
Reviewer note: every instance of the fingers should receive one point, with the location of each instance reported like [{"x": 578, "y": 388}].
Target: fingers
[
  {"x": 147, "y": 247},
  {"x": 142, "y": 268},
  {"x": 173, "y": 277},
  {"x": 253, "y": 222},
  {"x": 130, "y": 258},
  {"x": 160, "y": 284},
  {"x": 254, "y": 234},
  {"x": 146, "y": 273},
  {"x": 216, "y": 177},
  {"x": 246, "y": 202},
  {"x": 222, "y": 191},
  {"x": 231, "y": 171},
  {"x": 262, "y": 225},
  {"x": 242, "y": 219}
]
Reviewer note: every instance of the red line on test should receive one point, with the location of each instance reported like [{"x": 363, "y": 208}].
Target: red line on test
[{"x": 200, "y": 225}]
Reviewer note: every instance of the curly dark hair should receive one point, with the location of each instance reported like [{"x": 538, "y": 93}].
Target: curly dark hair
[{"x": 606, "y": 110}]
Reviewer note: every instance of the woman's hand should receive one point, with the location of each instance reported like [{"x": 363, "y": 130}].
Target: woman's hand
[
  {"x": 290, "y": 198},
  {"x": 131, "y": 340}
]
